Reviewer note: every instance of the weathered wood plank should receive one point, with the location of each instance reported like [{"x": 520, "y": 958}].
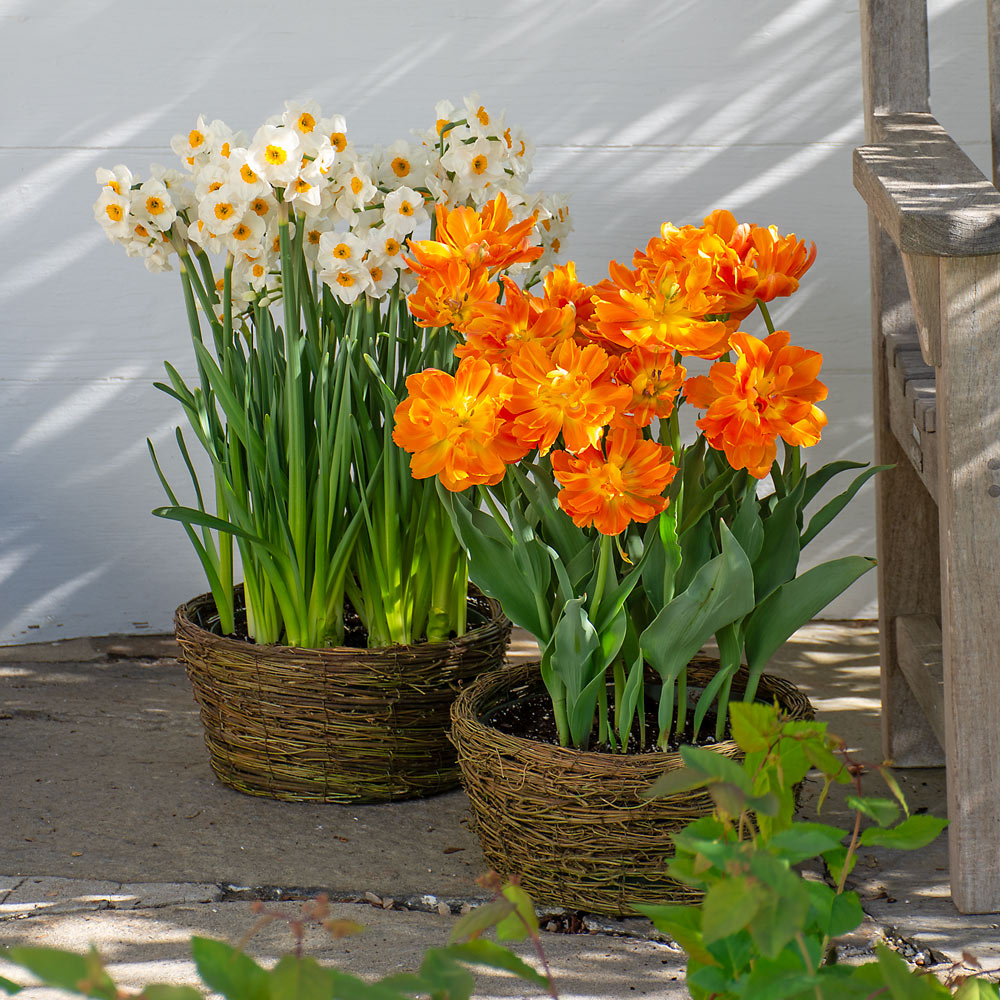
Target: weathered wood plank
[
  {"x": 898, "y": 78},
  {"x": 968, "y": 435},
  {"x": 927, "y": 194},
  {"x": 908, "y": 573},
  {"x": 923, "y": 278},
  {"x": 993, "y": 25},
  {"x": 918, "y": 642}
]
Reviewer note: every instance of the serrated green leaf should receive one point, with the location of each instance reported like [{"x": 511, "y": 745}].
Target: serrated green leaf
[
  {"x": 480, "y": 919},
  {"x": 890, "y": 779},
  {"x": 913, "y": 833},
  {"x": 300, "y": 978},
  {"x": 883, "y": 811},
  {"x": 84, "y": 974},
  {"x": 805, "y": 840},
  {"x": 752, "y": 724},
  {"x": 228, "y": 971},
  {"x": 683, "y": 924},
  {"x": 522, "y": 922},
  {"x": 904, "y": 984},
  {"x": 166, "y": 991},
  {"x": 977, "y": 989},
  {"x": 730, "y": 905}
]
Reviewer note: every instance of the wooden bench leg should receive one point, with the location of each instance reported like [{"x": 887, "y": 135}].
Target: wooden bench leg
[
  {"x": 906, "y": 519},
  {"x": 968, "y": 400}
]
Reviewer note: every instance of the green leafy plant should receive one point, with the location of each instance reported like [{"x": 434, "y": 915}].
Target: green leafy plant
[
  {"x": 763, "y": 929},
  {"x": 227, "y": 970}
]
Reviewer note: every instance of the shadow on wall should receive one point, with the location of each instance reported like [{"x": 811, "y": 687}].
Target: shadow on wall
[{"x": 640, "y": 112}]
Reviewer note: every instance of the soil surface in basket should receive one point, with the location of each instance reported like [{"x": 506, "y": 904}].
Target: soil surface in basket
[{"x": 532, "y": 719}]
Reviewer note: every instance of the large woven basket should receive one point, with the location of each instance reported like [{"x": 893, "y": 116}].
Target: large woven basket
[
  {"x": 571, "y": 824},
  {"x": 334, "y": 725}
]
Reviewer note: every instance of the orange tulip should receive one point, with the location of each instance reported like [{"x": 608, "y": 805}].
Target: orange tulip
[
  {"x": 767, "y": 393},
  {"x": 568, "y": 391},
  {"x": 654, "y": 381},
  {"x": 613, "y": 488},
  {"x": 497, "y": 331},
  {"x": 658, "y": 312},
  {"x": 483, "y": 239},
  {"x": 454, "y": 426},
  {"x": 451, "y": 295}
]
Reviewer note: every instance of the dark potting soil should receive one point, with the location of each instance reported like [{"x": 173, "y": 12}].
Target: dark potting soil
[{"x": 532, "y": 718}]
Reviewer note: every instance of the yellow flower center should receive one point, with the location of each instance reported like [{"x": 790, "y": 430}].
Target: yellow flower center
[
  {"x": 275, "y": 155},
  {"x": 115, "y": 186},
  {"x": 114, "y": 212},
  {"x": 339, "y": 141},
  {"x": 242, "y": 231},
  {"x": 400, "y": 166},
  {"x": 220, "y": 285},
  {"x": 555, "y": 246},
  {"x": 276, "y": 245},
  {"x": 302, "y": 186},
  {"x": 258, "y": 270},
  {"x": 479, "y": 164},
  {"x": 141, "y": 230},
  {"x": 313, "y": 237},
  {"x": 259, "y": 205},
  {"x": 357, "y": 185},
  {"x": 405, "y": 208},
  {"x": 507, "y": 138},
  {"x": 439, "y": 127},
  {"x": 391, "y": 247},
  {"x": 247, "y": 174},
  {"x": 155, "y": 205},
  {"x": 225, "y": 150},
  {"x": 214, "y": 186},
  {"x": 376, "y": 272},
  {"x": 223, "y": 210},
  {"x": 342, "y": 251},
  {"x": 484, "y": 118},
  {"x": 306, "y": 122},
  {"x": 196, "y": 138},
  {"x": 345, "y": 280}
]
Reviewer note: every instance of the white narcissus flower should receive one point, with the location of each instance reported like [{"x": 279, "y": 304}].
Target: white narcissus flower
[
  {"x": 402, "y": 164},
  {"x": 111, "y": 211},
  {"x": 356, "y": 189},
  {"x": 334, "y": 129},
  {"x": 340, "y": 250},
  {"x": 247, "y": 236},
  {"x": 195, "y": 147},
  {"x": 118, "y": 178},
  {"x": 221, "y": 209},
  {"x": 382, "y": 274},
  {"x": 347, "y": 281},
  {"x": 403, "y": 210},
  {"x": 243, "y": 177},
  {"x": 152, "y": 203},
  {"x": 275, "y": 154},
  {"x": 304, "y": 117},
  {"x": 475, "y": 164},
  {"x": 479, "y": 121},
  {"x": 387, "y": 246},
  {"x": 520, "y": 151}
]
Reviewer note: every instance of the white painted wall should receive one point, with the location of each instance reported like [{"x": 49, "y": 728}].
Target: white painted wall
[{"x": 642, "y": 111}]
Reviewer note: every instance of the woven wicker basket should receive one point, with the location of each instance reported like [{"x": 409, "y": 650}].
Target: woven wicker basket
[
  {"x": 334, "y": 725},
  {"x": 570, "y": 824}
]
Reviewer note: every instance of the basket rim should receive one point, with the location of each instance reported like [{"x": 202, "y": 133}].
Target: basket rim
[
  {"x": 467, "y": 709},
  {"x": 184, "y": 623}
]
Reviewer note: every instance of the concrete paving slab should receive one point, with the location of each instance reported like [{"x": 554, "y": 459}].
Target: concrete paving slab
[{"x": 146, "y": 945}]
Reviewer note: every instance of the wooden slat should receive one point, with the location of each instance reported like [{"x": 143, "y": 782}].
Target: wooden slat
[
  {"x": 926, "y": 193},
  {"x": 993, "y": 24},
  {"x": 918, "y": 644},
  {"x": 968, "y": 432},
  {"x": 909, "y": 379},
  {"x": 923, "y": 278},
  {"x": 895, "y": 66}
]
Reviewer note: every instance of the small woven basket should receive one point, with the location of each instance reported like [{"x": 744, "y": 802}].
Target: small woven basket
[
  {"x": 570, "y": 824},
  {"x": 334, "y": 725}
]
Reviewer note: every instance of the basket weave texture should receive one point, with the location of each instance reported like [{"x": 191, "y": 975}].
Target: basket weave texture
[
  {"x": 334, "y": 725},
  {"x": 570, "y": 824}
]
